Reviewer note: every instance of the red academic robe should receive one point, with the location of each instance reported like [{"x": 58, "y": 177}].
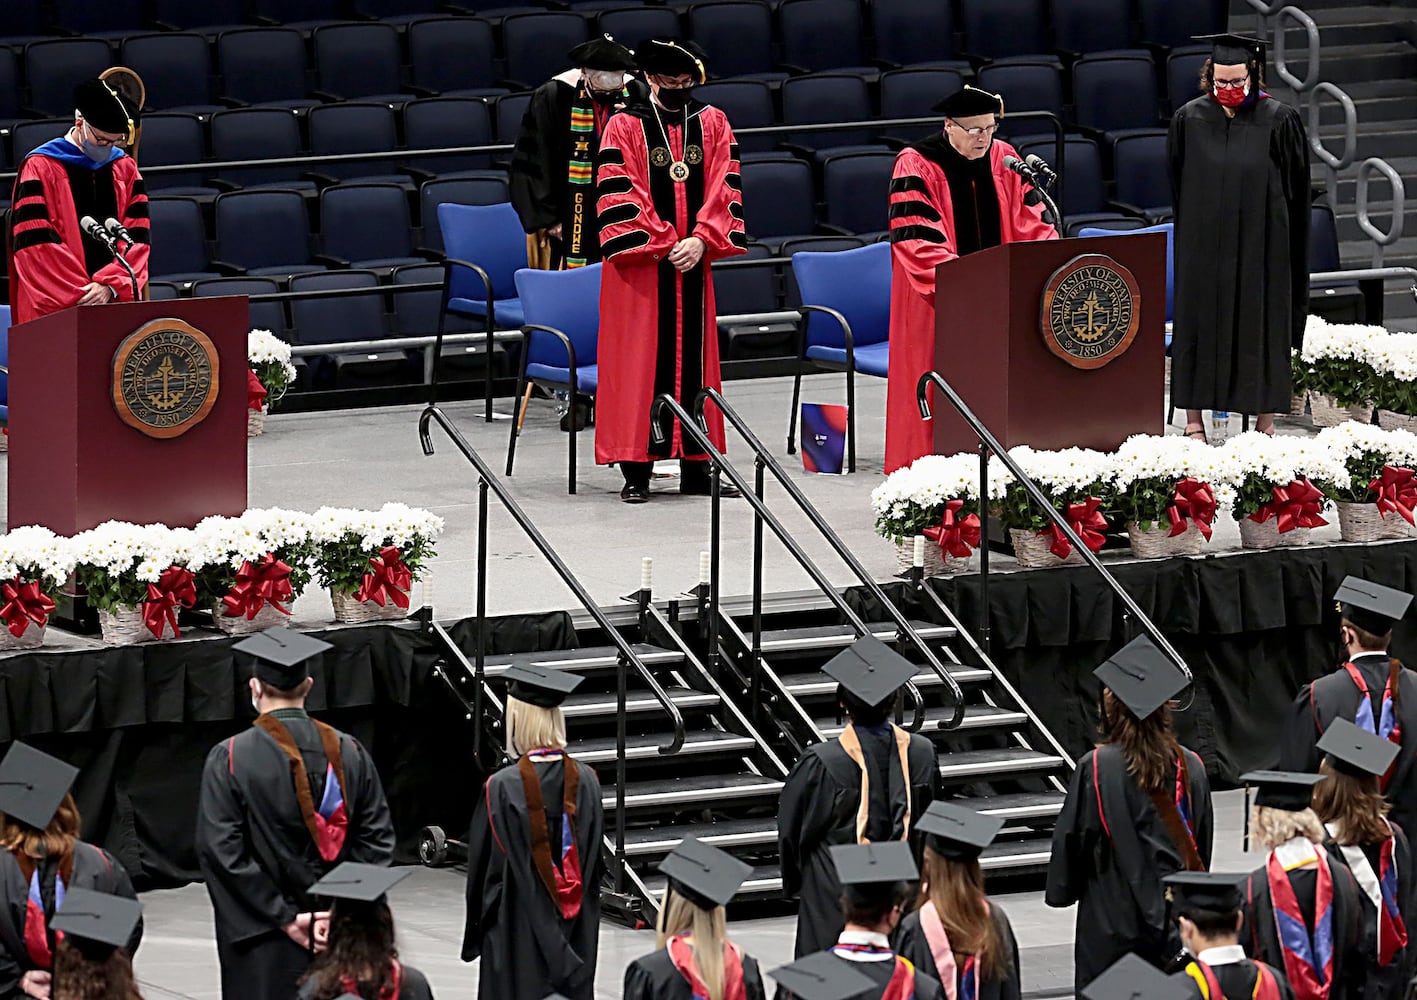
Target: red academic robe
[
  {"x": 922, "y": 238},
  {"x": 53, "y": 259},
  {"x": 659, "y": 328}
]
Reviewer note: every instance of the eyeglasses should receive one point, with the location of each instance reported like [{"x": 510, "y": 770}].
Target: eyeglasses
[
  {"x": 1232, "y": 84},
  {"x": 99, "y": 140},
  {"x": 977, "y": 131}
]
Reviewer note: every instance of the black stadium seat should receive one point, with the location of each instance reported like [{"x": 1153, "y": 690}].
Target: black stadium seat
[
  {"x": 359, "y": 61},
  {"x": 210, "y": 16},
  {"x": 999, "y": 29},
  {"x": 9, "y": 86},
  {"x": 367, "y": 225},
  {"x": 29, "y": 135},
  {"x": 1115, "y": 93},
  {"x": 264, "y": 66},
  {"x": 264, "y": 232},
  {"x": 487, "y": 190},
  {"x": 824, "y": 98},
  {"x": 448, "y": 121},
  {"x": 780, "y": 193},
  {"x": 84, "y": 17},
  {"x": 629, "y": 24},
  {"x": 819, "y": 35},
  {"x": 258, "y": 133},
  {"x": 300, "y": 14},
  {"x": 453, "y": 56},
  {"x": 856, "y": 192},
  {"x": 264, "y": 315},
  {"x": 736, "y": 35},
  {"x": 508, "y": 113},
  {"x": 1084, "y": 199},
  {"x": 1167, "y": 24},
  {"x": 172, "y": 139},
  {"x": 1025, "y": 86},
  {"x": 179, "y": 254},
  {"x": 912, "y": 93},
  {"x": 354, "y": 127},
  {"x": 1081, "y": 26},
  {"x": 1142, "y": 169},
  {"x": 176, "y": 69},
  {"x": 346, "y": 318},
  {"x": 536, "y": 45},
  {"x": 909, "y": 33},
  {"x": 53, "y": 66},
  {"x": 1183, "y": 76},
  {"x": 748, "y": 104}
]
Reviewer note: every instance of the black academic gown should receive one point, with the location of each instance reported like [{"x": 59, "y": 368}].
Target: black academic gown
[
  {"x": 912, "y": 944},
  {"x": 655, "y": 977},
  {"x": 1237, "y": 981},
  {"x": 413, "y": 986},
  {"x": 94, "y": 868},
  {"x": 1260, "y": 938},
  {"x": 1385, "y": 982},
  {"x": 1116, "y": 879},
  {"x": 257, "y": 855},
  {"x": 1241, "y": 196},
  {"x": 819, "y": 807},
  {"x": 927, "y": 987},
  {"x": 527, "y": 949},
  {"x": 1336, "y": 697}
]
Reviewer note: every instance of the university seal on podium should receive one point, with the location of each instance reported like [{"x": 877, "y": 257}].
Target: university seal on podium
[
  {"x": 1090, "y": 311},
  {"x": 165, "y": 378}
]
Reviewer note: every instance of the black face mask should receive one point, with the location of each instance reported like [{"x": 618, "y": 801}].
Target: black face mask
[
  {"x": 674, "y": 99},
  {"x": 605, "y": 97}
]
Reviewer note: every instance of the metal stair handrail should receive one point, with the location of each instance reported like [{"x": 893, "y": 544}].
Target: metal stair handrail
[
  {"x": 1376, "y": 165},
  {"x": 990, "y": 444},
  {"x": 487, "y": 480},
  {"x": 765, "y": 460}
]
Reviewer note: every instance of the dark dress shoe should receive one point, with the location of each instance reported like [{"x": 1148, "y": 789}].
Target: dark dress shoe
[
  {"x": 634, "y": 493},
  {"x": 726, "y": 490}
]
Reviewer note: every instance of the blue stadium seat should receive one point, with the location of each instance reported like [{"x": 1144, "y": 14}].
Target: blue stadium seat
[
  {"x": 822, "y": 35},
  {"x": 453, "y": 56},
  {"x": 263, "y": 233},
  {"x": 909, "y": 33},
  {"x": 736, "y": 35},
  {"x": 855, "y": 285},
  {"x": 1114, "y": 94},
  {"x": 264, "y": 66},
  {"x": 259, "y": 133},
  {"x": 856, "y": 192},
  {"x": 367, "y": 225},
  {"x": 30, "y": 135},
  {"x": 359, "y": 61},
  {"x": 54, "y": 66},
  {"x": 485, "y": 190},
  {"x": 1025, "y": 86},
  {"x": 210, "y": 16},
  {"x": 630, "y": 24},
  {"x": 1183, "y": 75},
  {"x": 179, "y": 254},
  {"x": 1142, "y": 169},
  {"x": 999, "y": 29},
  {"x": 827, "y": 97},
  {"x": 508, "y": 112},
  {"x": 912, "y": 93},
  {"x": 84, "y": 17},
  {"x": 535, "y": 45},
  {"x": 354, "y": 127},
  {"x": 748, "y": 104},
  {"x": 174, "y": 139},
  {"x": 781, "y": 195},
  {"x": 1167, "y": 24},
  {"x": 1084, "y": 200},
  {"x": 1081, "y": 26},
  {"x": 300, "y": 14},
  {"x": 264, "y": 315},
  {"x": 336, "y": 319},
  {"x": 176, "y": 69},
  {"x": 448, "y": 121}
]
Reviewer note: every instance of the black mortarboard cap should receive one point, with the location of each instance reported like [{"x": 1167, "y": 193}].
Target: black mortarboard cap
[
  {"x": 282, "y": 656},
  {"x": 1216, "y": 891},
  {"x": 671, "y": 57},
  {"x": 537, "y": 684},
  {"x": 822, "y": 976},
  {"x": 106, "y": 109},
  {"x": 956, "y": 832},
  {"x": 870, "y": 669},
  {"x": 703, "y": 874},
  {"x": 603, "y": 53},
  {"x": 1371, "y": 606},
  {"x": 32, "y": 784},
  {"x": 1289, "y": 790},
  {"x": 553, "y": 996},
  {"x": 1233, "y": 50},
  {"x": 969, "y": 101},
  {"x": 1142, "y": 676},
  {"x": 99, "y": 917},
  {"x": 1131, "y": 978},
  {"x": 359, "y": 882},
  {"x": 867, "y": 865},
  {"x": 1357, "y": 751}
]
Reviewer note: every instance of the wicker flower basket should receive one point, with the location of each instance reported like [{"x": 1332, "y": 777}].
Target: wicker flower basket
[
  {"x": 348, "y": 611},
  {"x": 267, "y": 617},
  {"x": 936, "y": 564},
  {"x": 1032, "y": 551},
  {"x": 1156, "y": 542},
  {"x": 256, "y": 422},
  {"x": 1391, "y": 420},
  {"x": 1362, "y": 522},
  {"x": 1266, "y": 535},
  {"x": 32, "y": 637},
  {"x": 124, "y": 627},
  {"x": 1327, "y": 412},
  {"x": 1298, "y": 404}
]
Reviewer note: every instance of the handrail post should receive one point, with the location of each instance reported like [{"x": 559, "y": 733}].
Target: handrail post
[
  {"x": 479, "y": 664},
  {"x": 622, "y": 665},
  {"x": 715, "y": 562},
  {"x": 984, "y": 636},
  {"x": 757, "y": 682}
]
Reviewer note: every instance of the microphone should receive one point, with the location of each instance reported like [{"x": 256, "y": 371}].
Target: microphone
[
  {"x": 116, "y": 230},
  {"x": 95, "y": 231},
  {"x": 1021, "y": 168},
  {"x": 1040, "y": 167}
]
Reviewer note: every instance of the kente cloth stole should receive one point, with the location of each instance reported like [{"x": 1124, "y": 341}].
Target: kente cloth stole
[
  {"x": 1381, "y": 889},
  {"x": 851, "y": 743},
  {"x": 562, "y": 879},
  {"x": 1387, "y": 725},
  {"x": 681, "y": 953},
  {"x": 1266, "y": 986},
  {"x": 36, "y": 929},
  {"x": 586, "y": 119},
  {"x": 959, "y": 983},
  {"x": 1308, "y": 957},
  {"x": 390, "y": 990},
  {"x": 328, "y": 824}
]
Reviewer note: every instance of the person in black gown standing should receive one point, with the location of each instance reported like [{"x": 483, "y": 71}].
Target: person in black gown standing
[{"x": 1208, "y": 909}]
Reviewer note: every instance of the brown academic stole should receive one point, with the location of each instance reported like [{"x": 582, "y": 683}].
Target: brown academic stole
[
  {"x": 329, "y": 823},
  {"x": 1167, "y": 807},
  {"x": 851, "y": 743},
  {"x": 563, "y": 880}
]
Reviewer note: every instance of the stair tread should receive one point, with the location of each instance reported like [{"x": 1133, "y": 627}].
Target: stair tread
[
  {"x": 1000, "y": 853},
  {"x": 828, "y": 636},
  {"x": 703, "y": 737},
  {"x": 580, "y": 704},
  {"x": 974, "y": 716},
  {"x": 581, "y": 658},
  {"x": 1033, "y": 803},
  {"x": 1001, "y": 754},
  {"x": 763, "y": 830},
  {"x": 762, "y": 881},
  {"x": 707, "y": 782},
  {"x": 816, "y": 682}
]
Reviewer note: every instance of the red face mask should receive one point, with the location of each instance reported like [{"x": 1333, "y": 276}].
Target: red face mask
[{"x": 1230, "y": 97}]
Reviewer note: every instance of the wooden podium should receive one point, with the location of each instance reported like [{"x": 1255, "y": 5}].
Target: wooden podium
[
  {"x": 991, "y": 347},
  {"x": 177, "y": 369}
]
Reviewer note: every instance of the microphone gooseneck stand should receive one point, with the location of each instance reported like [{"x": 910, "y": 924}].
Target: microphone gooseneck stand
[
  {"x": 1041, "y": 186},
  {"x": 97, "y": 232}
]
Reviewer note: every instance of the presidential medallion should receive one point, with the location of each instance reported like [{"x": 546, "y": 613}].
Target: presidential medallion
[
  {"x": 659, "y": 156},
  {"x": 679, "y": 171},
  {"x": 165, "y": 378},
  {"x": 1090, "y": 311}
]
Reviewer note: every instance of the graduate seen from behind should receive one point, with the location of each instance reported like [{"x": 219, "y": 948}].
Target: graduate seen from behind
[
  {"x": 695, "y": 960},
  {"x": 1131, "y": 978},
  {"x": 1372, "y": 690},
  {"x": 869, "y": 785},
  {"x": 361, "y": 958},
  {"x": 1208, "y": 908},
  {"x": 534, "y": 854},
  {"x": 1302, "y": 908},
  {"x": 957, "y": 934},
  {"x": 43, "y": 863},
  {"x": 1138, "y": 809},
  {"x": 92, "y": 960},
  {"x": 281, "y": 804},
  {"x": 1376, "y": 851}
]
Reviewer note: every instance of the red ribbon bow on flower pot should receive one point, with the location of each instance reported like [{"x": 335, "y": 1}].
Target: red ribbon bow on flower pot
[
  {"x": 175, "y": 588},
  {"x": 957, "y": 536},
  {"x": 1396, "y": 488},
  {"x": 255, "y": 391},
  {"x": 1194, "y": 499},
  {"x": 1294, "y": 506},
  {"x": 1087, "y": 521},
  {"x": 259, "y": 584},
  {"x": 24, "y": 603},
  {"x": 391, "y": 579}
]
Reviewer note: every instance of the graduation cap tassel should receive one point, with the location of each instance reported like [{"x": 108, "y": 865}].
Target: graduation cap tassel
[{"x": 1245, "y": 839}]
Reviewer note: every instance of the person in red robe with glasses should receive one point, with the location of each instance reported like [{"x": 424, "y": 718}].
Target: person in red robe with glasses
[
  {"x": 85, "y": 172},
  {"x": 670, "y": 202},
  {"x": 950, "y": 195}
]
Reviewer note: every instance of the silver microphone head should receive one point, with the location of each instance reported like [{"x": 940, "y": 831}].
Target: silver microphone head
[
  {"x": 88, "y": 224},
  {"x": 1037, "y": 162},
  {"x": 112, "y": 224},
  {"x": 1015, "y": 164}
]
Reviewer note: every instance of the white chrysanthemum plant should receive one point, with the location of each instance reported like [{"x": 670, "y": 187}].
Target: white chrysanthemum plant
[
  {"x": 34, "y": 563},
  {"x": 1335, "y": 361},
  {"x": 1075, "y": 479},
  {"x": 1274, "y": 476},
  {"x": 1377, "y": 466},
  {"x": 261, "y": 559},
  {"x": 1163, "y": 482},
  {"x": 914, "y": 498},
  {"x": 269, "y": 358},
  {"x": 139, "y": 567},
  {"x": 1393, "y": 360},
  {"x": 374, "y": 555}
]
